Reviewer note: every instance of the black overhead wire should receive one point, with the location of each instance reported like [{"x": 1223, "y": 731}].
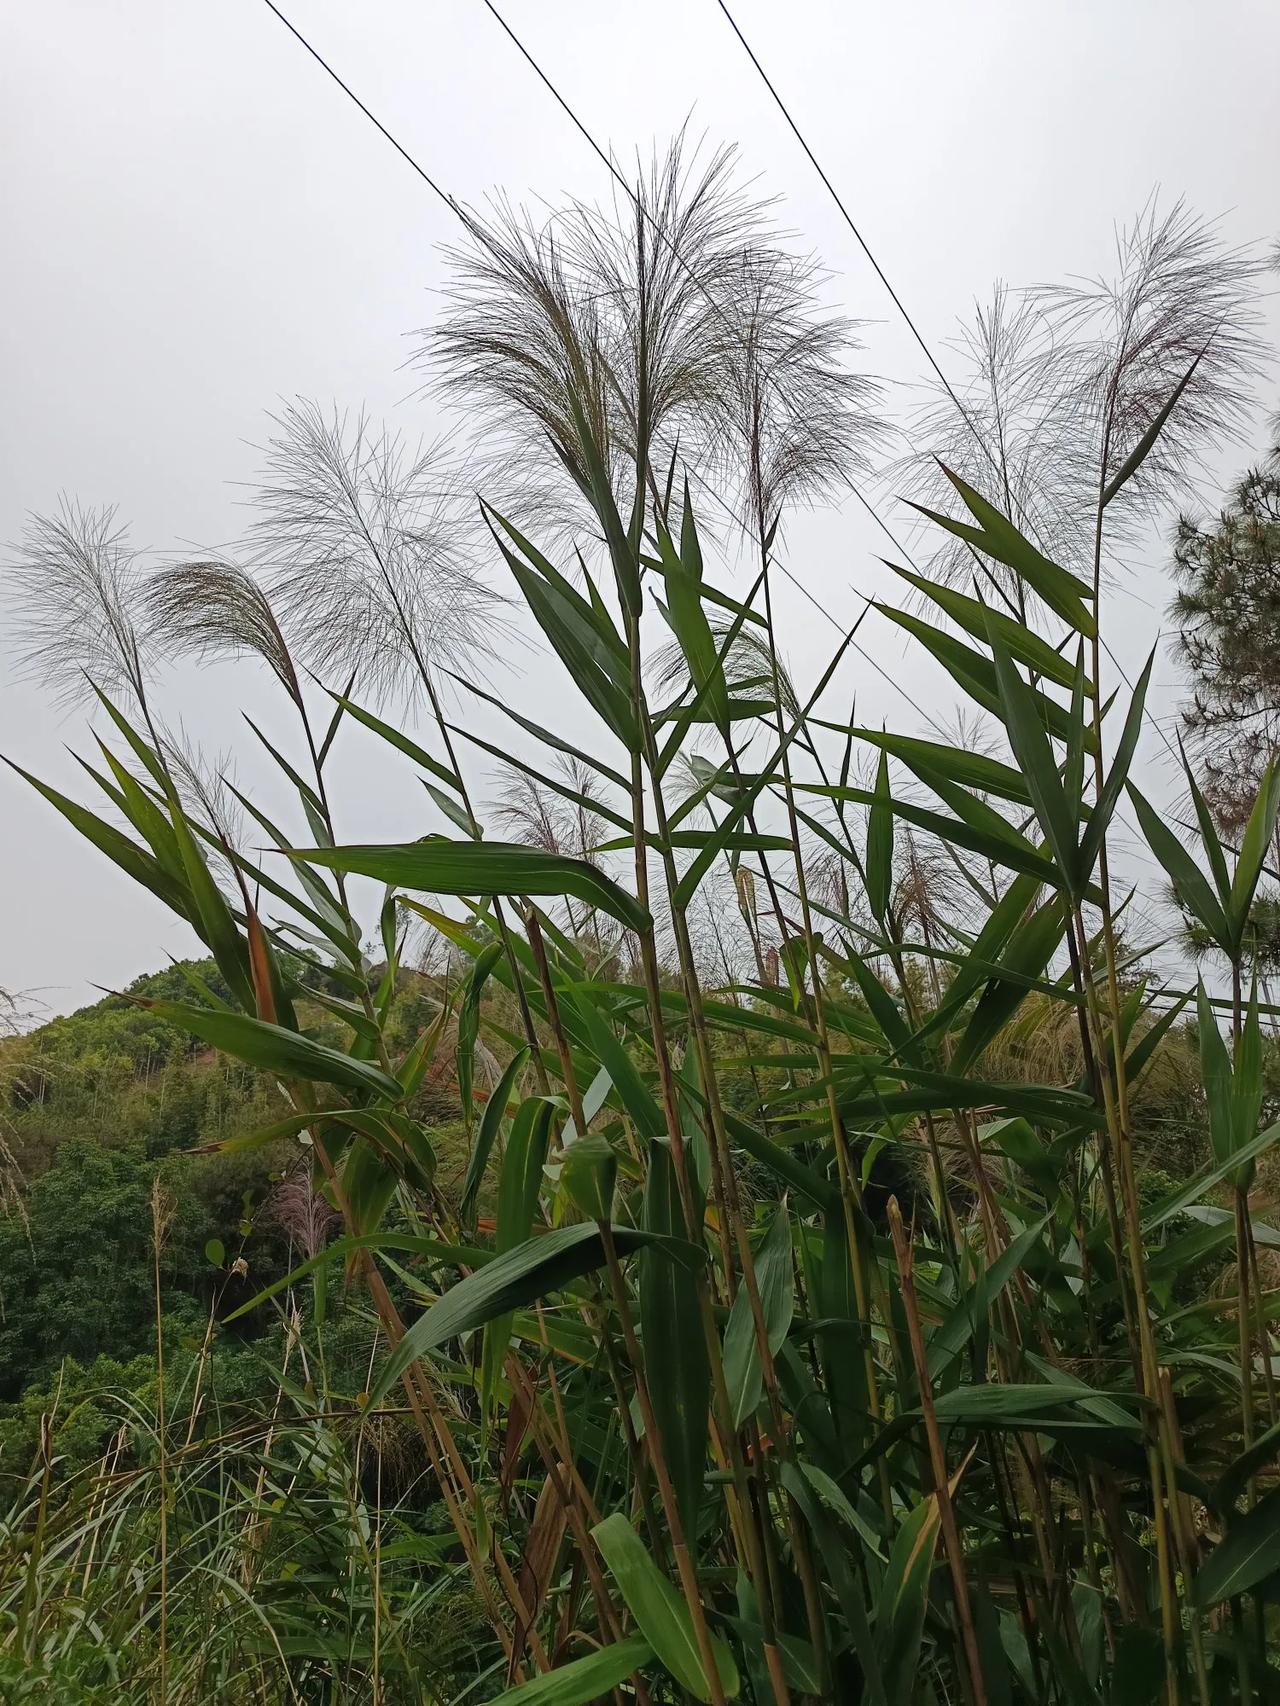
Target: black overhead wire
[
  {"x": 351, "y": 95},
  {"x": 860, "y": 239}
]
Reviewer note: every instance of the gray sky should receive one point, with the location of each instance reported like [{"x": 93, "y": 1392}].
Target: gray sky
[{"x": 197, "y": 223}]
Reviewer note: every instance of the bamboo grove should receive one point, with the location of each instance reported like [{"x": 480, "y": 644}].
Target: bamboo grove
[{"x": 812, "y": 1351}]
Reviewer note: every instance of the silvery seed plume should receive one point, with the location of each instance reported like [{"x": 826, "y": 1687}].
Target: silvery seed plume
[
  {"x": 211, "y": 607},
  {"x": 1012, "y": 442},
  {"x": 518, "y": 347},
  {"x": 72, "y": 588},
  {"x": 366, "y": 549},
  {"x": 1060, "y": 383},
  {"x": 617, "y": 319},
  {"x": 794, "y": 422},
  {"x": 1178, "y": 298},
  {"x": 669, "y": 262}
]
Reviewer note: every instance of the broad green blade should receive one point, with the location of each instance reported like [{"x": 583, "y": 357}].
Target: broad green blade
[
  {"x": 743, "y": 1373},
  {"x": 660, "y": 1612},
  {"x": 581, "y": 1680},
  {"x": 438, "y": 866},
  {"x": 274, "y": 1049},
  {"x": 534, "y": 1270}
]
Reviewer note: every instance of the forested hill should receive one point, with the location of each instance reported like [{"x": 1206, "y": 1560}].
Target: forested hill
[
  {"x": 98, "y": 1108},
  {"x": 104, "y": 1114}
]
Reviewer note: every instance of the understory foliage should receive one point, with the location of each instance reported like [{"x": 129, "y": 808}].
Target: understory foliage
[{"x": 801, "y": 1327}]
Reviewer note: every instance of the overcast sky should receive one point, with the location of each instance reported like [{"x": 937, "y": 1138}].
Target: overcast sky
[{"x": 196, "y": 223}]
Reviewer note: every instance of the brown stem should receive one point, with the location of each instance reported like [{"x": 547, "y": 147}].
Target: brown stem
[{"x": 946, "y": 1510}]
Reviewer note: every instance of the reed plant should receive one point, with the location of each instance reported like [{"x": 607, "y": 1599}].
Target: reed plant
[{"x": 824, "y": 1343}]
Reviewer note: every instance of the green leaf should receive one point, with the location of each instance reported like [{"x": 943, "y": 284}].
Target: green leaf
[
  {"x": 660, "y": 1612},
  {"x": 631, "y": 1090},
  {"x": 1216, "y": 1075},
  {"x": 1192, "y": 886},
  {"x": 133, "y": 860},
  {"x": 411, "y": 1243},
  {"x": 980, "y": 620},
  {"x": 1007, "y": 848},
  {"x": 1246, "y": 1556},
  {"x": 214, "y": 920},
  {"x": 521, "y": 1177},
  {"x": 1142, "y": 449},
  {"x": 622, "y": 553},
  {"x": 588, "y": 1175},
  {"x": 743, "y": 1374},
  {"x": 327, "y": 915},
  {"x": 1029, "y": 952},
  {"x": 1189, "y": 1193},
  {"x": 532, "y": 1270},
  {"x": 937, "y": 1091},
  {"x": 439, "y": 866},
  {"x": 469, "y": 1024},
  {"x": 519, "y": 1184},
  {"x": 703, "y": 704},
  {"x": 674, "y": 1343},
  {"x": 368, "y": 1185},
  {"x": 682, "y": 572},
  {"x": 1118, "y": 775},
  {"x": 687, "y": 887},
  {"x": 1209, "y": 836},
  {"x": 879, "y": 861},
  {"x": 1140, "y": 1055},
  {"x": 141, "y": 810},
  {"x": 903, "y": 1599},
  {"x": 802, "y": 1481},
  {"x": 400, "y": 1140},
  {"x": 1035, "y": 759},
  {"x": 1253, "y": 850},
  {"x": 893, "y": 1027},
  {"x": 741, "y": 841},
  {"x": 542, "y": 734},
  {"x": 969, "y": 769},
  {"x": 591, "y": 803},
  {"x": 495, "y": 1112},
  {"x": 401, "y": 741},
  {"x": 1247, "y": 1090},
  {"x": 146, "y": 753},
  {"x": 581, "y": 1680},
  {"x": 968, "y": 1315},
  {"x": 215, "y": 1252},
  {"x": 457, "y": 814},
  {"x": 1009, "y": 1405},
  {"x": 274, "y": 1049},
  {"x": 999, "y": 538},
  {"x": 985, "y": 950},
  {"x": 581, "y": 633},
  {"x": 1236, "y": 1477}
]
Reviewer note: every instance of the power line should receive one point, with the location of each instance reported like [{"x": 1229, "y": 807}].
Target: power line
[
  {"x": 860, "y": 239},
  {"x": 377, "y": 123}
]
